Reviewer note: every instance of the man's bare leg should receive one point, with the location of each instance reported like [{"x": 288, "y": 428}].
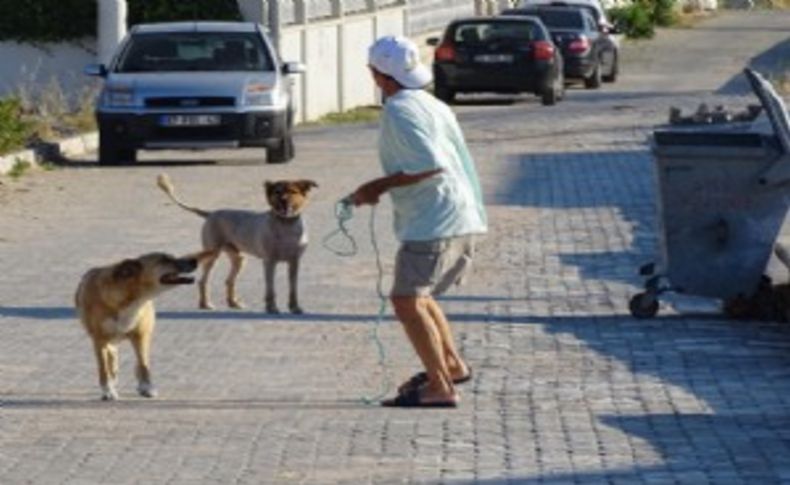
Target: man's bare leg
[
  {"x": 455, "y": 364},
  {"x": 426, "y": 339}
]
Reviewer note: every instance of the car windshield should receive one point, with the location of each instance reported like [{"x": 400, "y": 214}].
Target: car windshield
[
  {"x": 485, "y": 32},
  {"x": 596, "y": 14},
  {"x": 195, "y": 51},
  {"x": 592, "y": 11},
  {"x": 559, "y": 19}
]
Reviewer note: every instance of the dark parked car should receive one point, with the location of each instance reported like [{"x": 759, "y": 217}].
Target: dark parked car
[
  {"x": 195, "y": 85},
  {"x": 589, "y": 53},
  {"x": 499, "y": 54}
]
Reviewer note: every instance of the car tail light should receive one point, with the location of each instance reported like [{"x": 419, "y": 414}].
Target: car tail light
[
  {"x": 543, "y": 50},
  {"x": 445, "y": 52},
  {"x": 579, "y": 46}
]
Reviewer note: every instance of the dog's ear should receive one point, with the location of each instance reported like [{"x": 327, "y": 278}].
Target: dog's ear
[
  {"x": 306, "y": 185},
  {"x": 128, "y": 268},
  {"x": 268, "y": 186}
]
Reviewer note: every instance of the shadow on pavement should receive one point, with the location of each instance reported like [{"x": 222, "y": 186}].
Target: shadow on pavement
[
  {"x": 694, "y": 448},
  {"x": 620, "y": 181},
  {"x": 160, "y": 404},
  {"x": 92, "y": 164},
  {"x": 729, "y": 380}
]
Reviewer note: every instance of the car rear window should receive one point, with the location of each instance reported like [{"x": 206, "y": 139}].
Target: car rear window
[
  {"x": 195, "y": 51},
  {"x": 559, "y": 19},
  {"x": 485, "y": 32}
]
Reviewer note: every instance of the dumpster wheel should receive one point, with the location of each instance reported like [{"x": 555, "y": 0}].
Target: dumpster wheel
[{"x": 643, "y": 305}]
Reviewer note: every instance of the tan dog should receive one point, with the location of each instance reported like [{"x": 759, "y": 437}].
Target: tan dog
[
  {"x": 117, "y": 302},
  {"x": 278, "y": 235}
]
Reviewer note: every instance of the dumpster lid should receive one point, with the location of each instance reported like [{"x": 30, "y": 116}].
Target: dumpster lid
[{"x": 773, "y": 105}]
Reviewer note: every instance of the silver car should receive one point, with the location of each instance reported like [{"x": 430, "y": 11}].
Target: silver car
[{"x": 195, "y": 85}]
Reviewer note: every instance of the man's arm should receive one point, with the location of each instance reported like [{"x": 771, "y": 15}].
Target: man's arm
[{"x": 370, "y": 192}]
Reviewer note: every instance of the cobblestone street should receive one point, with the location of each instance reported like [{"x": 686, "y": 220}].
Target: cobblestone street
[{"x": 568, "y": 387}]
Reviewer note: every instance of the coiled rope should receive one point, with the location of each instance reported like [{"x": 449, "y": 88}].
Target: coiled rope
[{"x": 344, "y": 212}]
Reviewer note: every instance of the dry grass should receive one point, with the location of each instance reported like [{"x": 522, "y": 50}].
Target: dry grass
[
  {"x": 689, "y": 17},
  {"x": 55, "y": 115},
  {"x": 781, "y": 79},
  {"x": 362, "y": 114}
]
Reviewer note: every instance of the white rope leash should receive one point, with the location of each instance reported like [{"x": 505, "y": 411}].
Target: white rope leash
[{"x": 344, "y": 212}]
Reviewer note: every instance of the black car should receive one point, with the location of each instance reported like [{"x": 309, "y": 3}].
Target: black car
[
  {"x": 589, "y": 53},
  {"x": 497, "y": 54}
]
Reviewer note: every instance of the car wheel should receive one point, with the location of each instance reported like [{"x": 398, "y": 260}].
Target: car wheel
[
  {"x": 283, "y": 152},
  {"x": 549, "y": 97},
  {"x": 643, "y": 305},
  {"x": 612, "y": 76},
  {"x": 554, "y": 92},
  {"x": 441, "y": 91},
  {"x": 112, "y": 151},
  {"x": 594, "y": 81}
]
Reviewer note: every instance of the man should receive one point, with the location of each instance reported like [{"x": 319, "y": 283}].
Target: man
[{"x": 438, "y": 210}]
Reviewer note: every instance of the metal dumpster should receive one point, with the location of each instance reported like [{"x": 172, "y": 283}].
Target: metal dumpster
[{"x": 723, "y": 194}]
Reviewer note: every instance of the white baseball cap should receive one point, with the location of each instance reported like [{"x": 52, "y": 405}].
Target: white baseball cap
[{"x": 399, "y": 58}]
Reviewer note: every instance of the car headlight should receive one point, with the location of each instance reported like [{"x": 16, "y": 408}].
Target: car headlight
[
  {"x": 257, "y": 94},
  {"x": 119, "y": 97}
]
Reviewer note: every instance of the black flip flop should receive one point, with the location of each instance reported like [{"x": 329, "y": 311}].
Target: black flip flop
[
  {"x": 421, "y": 378},
  {"x": 411, "y": 399}
]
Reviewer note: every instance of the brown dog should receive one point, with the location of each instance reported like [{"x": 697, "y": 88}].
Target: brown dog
[
  {"x": 278, "y": 235},
  {"x": 117, "y": 302}
]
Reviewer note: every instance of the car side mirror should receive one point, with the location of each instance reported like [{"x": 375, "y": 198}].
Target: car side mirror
[
  {"x": 433, "y": 41},
  {"x": 293, "y": 68},
  {"x": 97, "y": 70}
]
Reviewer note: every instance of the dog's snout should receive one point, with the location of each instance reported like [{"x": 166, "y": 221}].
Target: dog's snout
[{"x": 187, "y": 265}]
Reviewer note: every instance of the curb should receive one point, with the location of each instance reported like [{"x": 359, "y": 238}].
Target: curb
[
  {"x": 51, "y": 151},
  {"x": 7, "y": 162}
]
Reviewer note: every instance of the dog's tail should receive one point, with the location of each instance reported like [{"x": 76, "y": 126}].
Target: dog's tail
[{"x": 163, "y": 181}]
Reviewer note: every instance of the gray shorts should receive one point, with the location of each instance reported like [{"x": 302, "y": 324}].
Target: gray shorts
[{"x": 424, "y": 268}]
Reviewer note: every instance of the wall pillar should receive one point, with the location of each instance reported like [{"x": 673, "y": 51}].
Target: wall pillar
[{"x": 112, "y": 27}]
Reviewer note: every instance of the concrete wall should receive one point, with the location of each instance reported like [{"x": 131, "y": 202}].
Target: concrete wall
[
  {"x": 34, "y": 68},
  {"x": 334, "y": 52},
  {"x": 431, "y": 15}
]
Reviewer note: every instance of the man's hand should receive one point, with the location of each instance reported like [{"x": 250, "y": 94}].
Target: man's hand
[{"x": 366, "y": 194}]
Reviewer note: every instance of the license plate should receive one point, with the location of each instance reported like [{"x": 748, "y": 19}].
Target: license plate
[
  {"x": 494, "y": 58},
  {"x": 190, "y": 120}
]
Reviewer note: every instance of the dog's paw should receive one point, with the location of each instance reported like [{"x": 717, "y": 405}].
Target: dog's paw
[
  {"x": 272, "y": 309},
  {"x": 204, "y": 305},
  {"x": 147, "y": 390},
  {"x": 296, "y": 309},
  {"x": 235, "y": 304},
  {"x": 109, "y": 394}
]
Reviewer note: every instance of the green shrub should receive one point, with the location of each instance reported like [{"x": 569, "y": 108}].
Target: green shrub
[
  {"x": 14, "y": 130},
  {"x": 634, "y": 20},
  {"x": 47, "y": 20},
  {"x": 19, "y": 169},
  {"x": 170, "y": 10},
  {"x": 663, "y": 12},
  {"x": 64, "y": 20}
]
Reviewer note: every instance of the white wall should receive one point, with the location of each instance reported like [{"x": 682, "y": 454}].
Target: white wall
[
  {"x": 335, "y": 54},
  {"x": 321, "y": 79},
  {"x": 356, "y": 88},
  {"x": 35, "y": 67}
]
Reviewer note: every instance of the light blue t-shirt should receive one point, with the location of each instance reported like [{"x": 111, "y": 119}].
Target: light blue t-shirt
[{"x": 419, "y": 133}]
